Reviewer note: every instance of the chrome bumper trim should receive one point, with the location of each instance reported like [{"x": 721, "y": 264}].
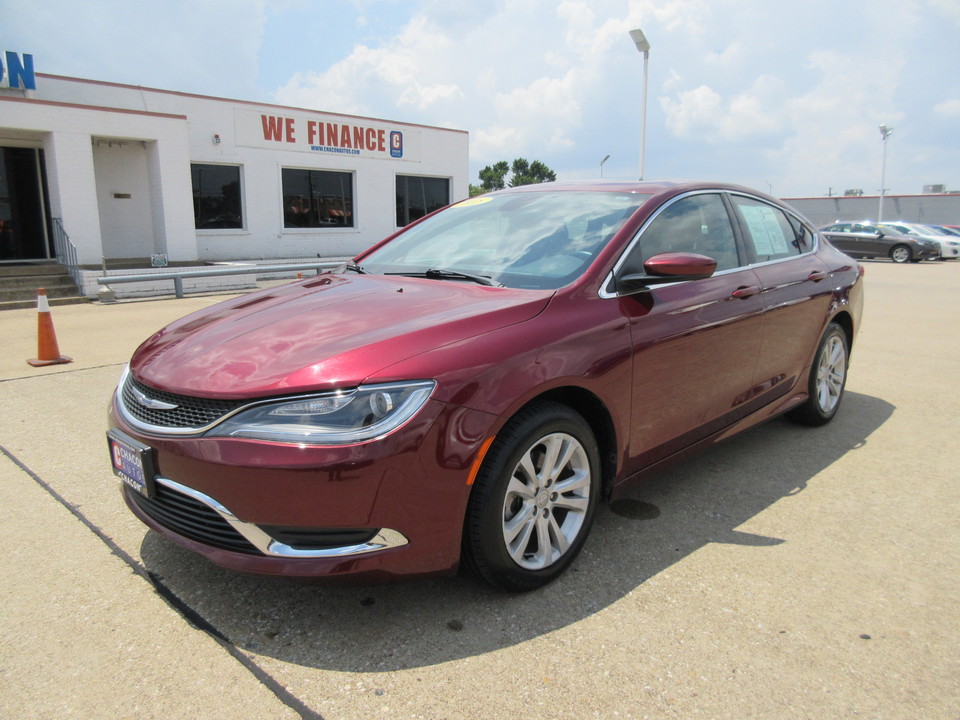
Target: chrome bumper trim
[{"x": 383, "y": 540}]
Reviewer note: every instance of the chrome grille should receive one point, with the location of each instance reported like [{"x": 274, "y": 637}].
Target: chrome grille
[
  {"x": 191, "y": 518},
  {"x": 191, "y": 412}
]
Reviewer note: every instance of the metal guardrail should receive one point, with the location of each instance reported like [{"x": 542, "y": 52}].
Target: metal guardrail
[{"x": 178, "y": 277}]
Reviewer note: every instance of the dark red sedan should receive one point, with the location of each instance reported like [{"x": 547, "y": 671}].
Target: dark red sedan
[{"x": 472, "y": 387}]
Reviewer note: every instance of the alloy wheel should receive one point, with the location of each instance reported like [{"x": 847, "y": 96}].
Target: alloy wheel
[
  {"x": 546, "y": 503},
  {"x": 831, "y": 372}
]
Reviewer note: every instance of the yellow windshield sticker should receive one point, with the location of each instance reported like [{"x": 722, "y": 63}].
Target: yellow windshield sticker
[{"x": 473, "y": 201}]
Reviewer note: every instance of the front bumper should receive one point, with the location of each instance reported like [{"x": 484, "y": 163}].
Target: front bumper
[
  {"x": 385, "y": 508},
  {"x": 950, "y": 250}
]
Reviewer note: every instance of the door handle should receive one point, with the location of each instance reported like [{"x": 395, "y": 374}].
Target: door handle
[
  {"x": 741, "y": 293},
  {"x": 817, "y": 276}
]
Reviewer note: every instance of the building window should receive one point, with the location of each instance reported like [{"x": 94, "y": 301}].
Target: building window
[
  {"x": 419, "y": 196},
  {"x": 317, "y": 198},
  {"x": 216, "y": 197}
]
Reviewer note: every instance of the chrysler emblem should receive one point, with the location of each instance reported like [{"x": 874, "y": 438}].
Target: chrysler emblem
[{"x": 152, "y": 403}]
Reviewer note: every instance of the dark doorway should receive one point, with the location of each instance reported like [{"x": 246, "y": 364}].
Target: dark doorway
[{"x": 23, "y": 222}]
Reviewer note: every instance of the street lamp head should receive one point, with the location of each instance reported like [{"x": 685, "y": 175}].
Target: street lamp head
[
  {"x": 640, "y": 40},
  {"x": 885, "y": 131},
  {"x": 607, "y": 157}
]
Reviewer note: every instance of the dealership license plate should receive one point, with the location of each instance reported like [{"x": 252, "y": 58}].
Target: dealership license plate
[{"x": 132, "y": 461}]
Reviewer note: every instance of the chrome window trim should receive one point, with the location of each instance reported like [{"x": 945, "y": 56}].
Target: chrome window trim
[
  {"x": 814, "y": 233},
  {"x": 608, "y": 280},
  {"x": 383, "y": 540},
  {"x": 606, "y": 294}
]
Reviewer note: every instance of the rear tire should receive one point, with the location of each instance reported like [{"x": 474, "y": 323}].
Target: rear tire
[
  {"x": 828, "y": 379},
  {"x": 534, "y": 499}
]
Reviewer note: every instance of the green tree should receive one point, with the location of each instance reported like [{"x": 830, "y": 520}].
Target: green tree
[
  {"x": 493, "y": 177},
  {"x": 525, "y": 173}
]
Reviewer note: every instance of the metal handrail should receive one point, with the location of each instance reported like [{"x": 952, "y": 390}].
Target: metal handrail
[
  {"x": 178, "y": 277},
  {"x": 65, "y": 250}
]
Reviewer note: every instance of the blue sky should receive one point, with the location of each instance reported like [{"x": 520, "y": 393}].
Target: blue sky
[{"x": 784, "y": 97}]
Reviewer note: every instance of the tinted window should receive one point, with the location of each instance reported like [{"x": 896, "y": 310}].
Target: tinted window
[
  {"x": 694, "y": 224},
  {"x": 771, "y": 234},
  {"x": 804, "y": 235},
  {"x": 419, "y": 196},
  {"x": 317, "y": 198},
  {"x": 216, "y": 196}
]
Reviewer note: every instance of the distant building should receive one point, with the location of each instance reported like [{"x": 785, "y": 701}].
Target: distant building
[
  {"x": 133, "y": 172},
  {"x": 927, "y": 209}
]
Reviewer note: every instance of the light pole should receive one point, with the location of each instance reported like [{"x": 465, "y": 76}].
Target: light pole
[
  {"x": 642, "y": 46},
  {"x": 885, "y": 132},
  {"x": 601, "y": 165}
]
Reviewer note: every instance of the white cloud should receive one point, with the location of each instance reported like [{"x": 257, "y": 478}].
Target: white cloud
[
  {"x": 693, "y": 111},
  {"x": 425, "y": 97},
  {"x": 685, "y": 16},
  {"x": 787, "y": 93},
  {"x": 948, "y": 108},
  {"x": 950, "y": 8},
  {"x": 515, "y": 76},
  {"x": 208, "y": 47},
  {"x": 703, "y": 114}
]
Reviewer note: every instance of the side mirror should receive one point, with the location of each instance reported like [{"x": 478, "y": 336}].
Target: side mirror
[
  {"x": 667, "y": 268},
  {"x": 879, "y": 234}
]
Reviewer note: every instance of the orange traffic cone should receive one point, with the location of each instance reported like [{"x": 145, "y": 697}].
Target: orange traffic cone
[{"x": 47, "y": 348}]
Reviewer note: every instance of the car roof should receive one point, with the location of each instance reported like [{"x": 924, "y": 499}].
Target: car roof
[
  {"x": 652, "y": 187},
  {"x": 659, "y": 190}
]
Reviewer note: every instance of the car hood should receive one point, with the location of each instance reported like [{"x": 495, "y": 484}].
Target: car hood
[{"x": 326, "y": 332}]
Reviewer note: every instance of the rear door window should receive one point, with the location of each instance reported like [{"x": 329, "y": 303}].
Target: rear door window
[{"x": 771, "y": 234}]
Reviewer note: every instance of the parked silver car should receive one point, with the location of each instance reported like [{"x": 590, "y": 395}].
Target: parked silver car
[
  {"x": 869, "y": 240},
  {"x": 949, "y": 243}
]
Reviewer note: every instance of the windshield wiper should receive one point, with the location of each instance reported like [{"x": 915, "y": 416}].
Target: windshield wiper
[
  {"x": 355, "y": 268},
  {"x": 440, "y": 274}
]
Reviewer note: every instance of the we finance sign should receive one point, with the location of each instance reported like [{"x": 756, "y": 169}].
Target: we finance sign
[{"x": 326, "y": 134}]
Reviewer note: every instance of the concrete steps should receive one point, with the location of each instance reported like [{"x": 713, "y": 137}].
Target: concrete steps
[{"x": 19, "y": 284}]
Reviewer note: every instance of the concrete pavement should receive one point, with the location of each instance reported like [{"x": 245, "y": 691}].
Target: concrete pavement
[{"x": 789, "y": 573}]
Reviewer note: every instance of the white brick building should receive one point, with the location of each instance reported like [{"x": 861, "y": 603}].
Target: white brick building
[{"x": 132, "y": 172}]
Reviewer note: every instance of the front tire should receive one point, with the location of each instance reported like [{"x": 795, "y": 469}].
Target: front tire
[
  {"x": 828, "y": 379},
  {"x": 901, "y": 254},
  {"x": 534, "y": 499}
]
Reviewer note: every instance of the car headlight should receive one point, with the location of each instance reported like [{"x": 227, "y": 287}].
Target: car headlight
[{"x": 336, "y": 418}]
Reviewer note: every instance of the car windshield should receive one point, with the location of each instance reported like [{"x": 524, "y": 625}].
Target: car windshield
[{"x": 539, "y": 240}]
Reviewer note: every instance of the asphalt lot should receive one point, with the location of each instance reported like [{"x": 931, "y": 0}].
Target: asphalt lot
[{"x": 788, "y": 573}]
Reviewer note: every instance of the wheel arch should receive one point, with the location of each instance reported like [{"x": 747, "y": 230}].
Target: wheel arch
[
  {"x": 845, "y": 321},
  {"x": 598, "y": 417}
]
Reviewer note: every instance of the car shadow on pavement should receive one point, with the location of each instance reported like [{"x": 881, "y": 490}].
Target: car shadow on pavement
[{"x": 394, "y": 627}]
